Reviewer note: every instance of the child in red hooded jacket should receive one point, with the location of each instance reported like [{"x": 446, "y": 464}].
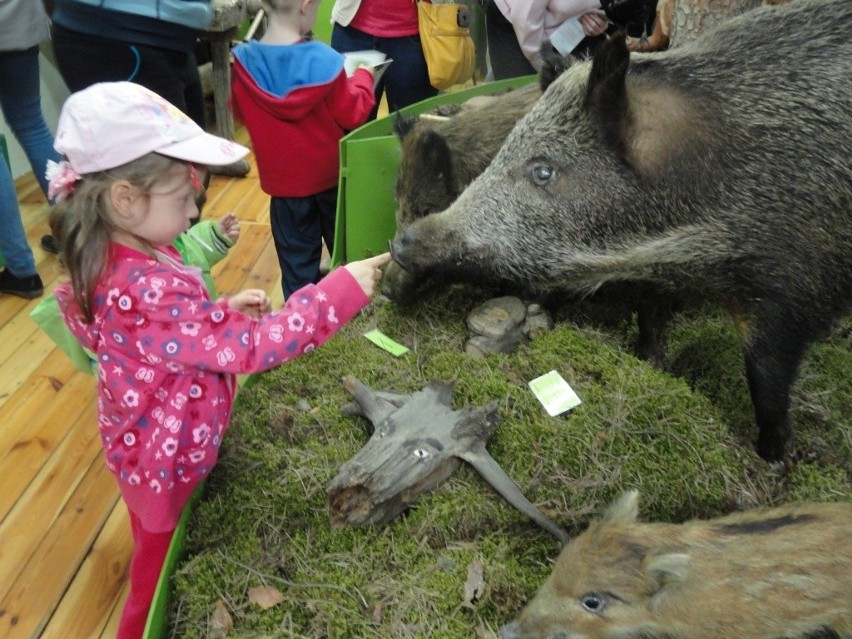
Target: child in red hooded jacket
[{"x": 296, "y": 101}]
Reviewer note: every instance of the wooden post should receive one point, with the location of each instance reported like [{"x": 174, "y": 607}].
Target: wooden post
[{"x": 227, "y": 17}]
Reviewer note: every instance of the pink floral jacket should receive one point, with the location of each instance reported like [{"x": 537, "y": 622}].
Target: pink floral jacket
[{"x": 167, "y": 360}]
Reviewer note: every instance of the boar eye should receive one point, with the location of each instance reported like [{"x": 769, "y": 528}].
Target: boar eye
[
  {"x": 542, "y": 174},
  {"x": 592, "y": 601}
]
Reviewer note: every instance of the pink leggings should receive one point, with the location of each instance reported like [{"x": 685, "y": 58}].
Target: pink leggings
[{"x": 149, "y": 555}]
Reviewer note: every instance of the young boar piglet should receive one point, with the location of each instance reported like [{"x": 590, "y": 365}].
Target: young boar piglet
[
  {"x": 718, "y": 170},
  {"x": 774, "y": 573}
]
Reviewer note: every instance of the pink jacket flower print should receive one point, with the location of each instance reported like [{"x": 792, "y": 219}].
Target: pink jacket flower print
[{"x": 167, "y": 360}]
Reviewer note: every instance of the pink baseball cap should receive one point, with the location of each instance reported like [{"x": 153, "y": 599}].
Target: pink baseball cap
[{"x": 113, "y": 123}]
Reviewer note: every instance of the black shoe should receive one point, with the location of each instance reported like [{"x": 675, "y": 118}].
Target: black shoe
[
  {"x": 27, "y": 287},
  {"x": 48, "y": 243}
]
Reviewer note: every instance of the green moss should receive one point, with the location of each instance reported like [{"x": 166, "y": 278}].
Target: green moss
[{"x": 682, "y": 439}]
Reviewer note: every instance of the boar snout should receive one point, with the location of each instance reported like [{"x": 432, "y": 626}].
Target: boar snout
[
  {"x": 406, "y": 248},
  {"x": 395, "y": 249}
]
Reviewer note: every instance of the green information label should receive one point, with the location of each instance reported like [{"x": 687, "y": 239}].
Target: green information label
[
  {"x": 383, "y": 341},
  {"x": 554, "y": 393}
]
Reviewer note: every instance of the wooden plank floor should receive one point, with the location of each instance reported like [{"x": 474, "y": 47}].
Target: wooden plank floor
[{"x": 64, "y": 535}]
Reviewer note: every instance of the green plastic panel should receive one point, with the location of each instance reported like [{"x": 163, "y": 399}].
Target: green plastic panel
[{"x": 155, "y": 627}]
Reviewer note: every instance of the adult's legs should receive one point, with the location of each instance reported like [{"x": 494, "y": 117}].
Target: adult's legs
[
  {"x": 507, "y": 58},
  {"x": 13, "y": 240},
  {"x": 406, "y": 80},
  {"x": 146, "y": 564},
  {"x": 84, "y": 60},
  {"x": 20, "y": 100}
]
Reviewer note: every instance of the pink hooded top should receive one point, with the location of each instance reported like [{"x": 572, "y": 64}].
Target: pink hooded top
[{"x": 168, "y": 357}]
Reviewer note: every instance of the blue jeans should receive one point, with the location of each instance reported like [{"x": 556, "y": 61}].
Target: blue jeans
[
  {"x": 13, "y": 241},
  {"x": 20, "y": 100},
  {"x": 406, "y": 80}
]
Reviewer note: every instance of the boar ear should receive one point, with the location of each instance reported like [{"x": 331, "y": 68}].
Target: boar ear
[
  {"x": 553, "y": 64},
  {"x": 670, "y": 568},
  {"x": 625, "y": 509},
  {"x": 606, "y": 94},
  {"x": 403, "y": 124}
]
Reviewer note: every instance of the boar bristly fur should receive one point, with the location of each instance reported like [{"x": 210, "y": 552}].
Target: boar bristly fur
[
  {"x": 720, "y": 170},
  {"x": 773, "y": 573}
]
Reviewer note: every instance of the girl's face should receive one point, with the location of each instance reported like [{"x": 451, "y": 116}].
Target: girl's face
[{"x": 167, "y": 210}]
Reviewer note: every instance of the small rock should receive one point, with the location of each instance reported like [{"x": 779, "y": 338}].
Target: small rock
[
  {"x": 538, "y": 321},
  {"x": 497, "y": 316}
]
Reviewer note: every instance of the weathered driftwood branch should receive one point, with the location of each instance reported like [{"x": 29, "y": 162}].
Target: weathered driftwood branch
[{"x": 417, "y": 442}]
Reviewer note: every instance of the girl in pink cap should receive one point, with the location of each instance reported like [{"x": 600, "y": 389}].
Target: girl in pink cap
[{"x": 167, "y": 354}]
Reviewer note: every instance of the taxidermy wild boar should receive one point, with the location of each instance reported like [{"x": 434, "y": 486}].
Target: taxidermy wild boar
[
  {"x": 764, "y": 574},
  {"x": 441, "y": 156},
  {"x": 720, "y": 169}
]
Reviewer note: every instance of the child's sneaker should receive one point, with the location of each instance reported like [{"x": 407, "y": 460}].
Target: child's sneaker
[
  {"x": 48, "y": 243},
  {"x": 27, "y": 287}
]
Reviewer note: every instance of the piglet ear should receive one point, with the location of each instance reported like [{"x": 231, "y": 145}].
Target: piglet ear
[
  {"x": 606, "y": 94},
  {"x": 624, "y": 510},
  {"x": 667, "y": 569},
  {"x": 553, "y": 64}
]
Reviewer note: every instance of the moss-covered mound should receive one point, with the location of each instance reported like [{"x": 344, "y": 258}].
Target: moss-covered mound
[{"x": 683, "y": 440}]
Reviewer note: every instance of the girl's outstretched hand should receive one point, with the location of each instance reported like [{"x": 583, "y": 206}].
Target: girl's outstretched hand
[
  {"x": 252, "y": 301},
  {"x": 368, "y": 272}
]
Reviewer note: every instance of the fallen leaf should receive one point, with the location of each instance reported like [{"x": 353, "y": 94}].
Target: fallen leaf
[
  {"x": 265, "y": 596},
  {"x": 378, "y": 613},
  {"x": 475, "y": 583},
  {"x": 220, "y": 622}
]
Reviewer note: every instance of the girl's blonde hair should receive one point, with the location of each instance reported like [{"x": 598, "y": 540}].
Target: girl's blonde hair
[{"x": 83, "y": 222}]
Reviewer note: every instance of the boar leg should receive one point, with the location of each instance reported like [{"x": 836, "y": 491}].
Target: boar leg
[
  {"x": 772, "y": 356},
  {"x": 652, "y": 317}
]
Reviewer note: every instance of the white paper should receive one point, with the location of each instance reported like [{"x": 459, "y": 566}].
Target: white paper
[
  {"x": 376, "y": 60},
  {"x": 554, "y": 393},
  {"x": 569, "y": 34},
  {"x": 354, "y": 59}
]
